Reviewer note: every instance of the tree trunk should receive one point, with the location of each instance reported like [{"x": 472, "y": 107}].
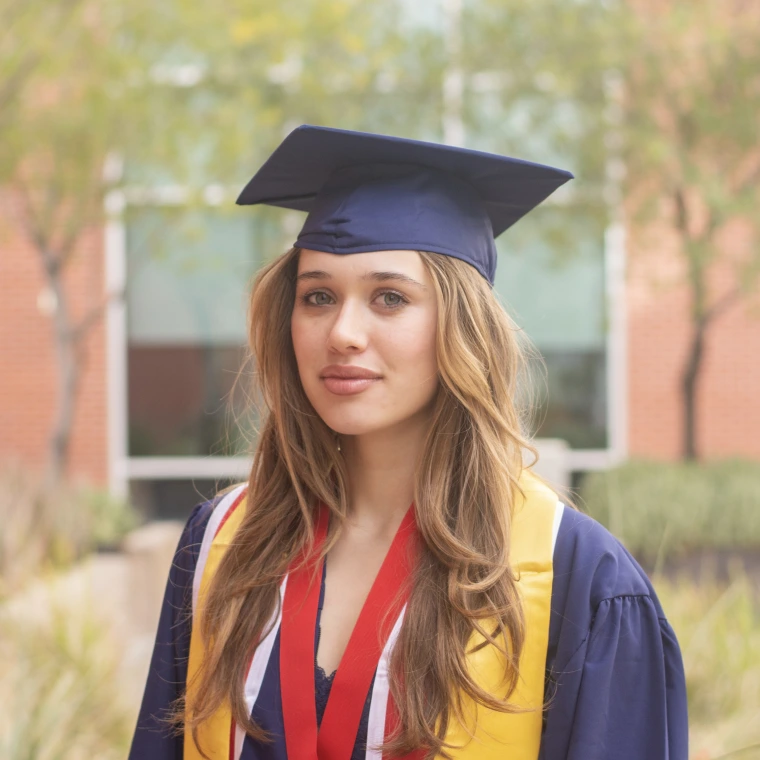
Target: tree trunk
[
  {"x": 689, "y": 385},
  {"x": 67, "y": 381}
]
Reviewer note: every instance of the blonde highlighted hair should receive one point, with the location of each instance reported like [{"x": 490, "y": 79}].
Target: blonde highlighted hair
[{"x": 465, "y": 485}]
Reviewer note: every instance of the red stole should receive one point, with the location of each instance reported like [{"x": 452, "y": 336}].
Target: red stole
[{"x": 389, "y": 593}]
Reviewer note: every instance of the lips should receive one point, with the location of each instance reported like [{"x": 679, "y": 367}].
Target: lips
[
  {"x": 343, "y": 380},
  {"x": 347, "y": 372}
]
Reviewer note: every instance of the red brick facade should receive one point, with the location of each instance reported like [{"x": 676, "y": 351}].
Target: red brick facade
[
  {"x": 27, "y": 380},
  {"x": 728, "y": 412},
  {"x": 729, "y": 394}
]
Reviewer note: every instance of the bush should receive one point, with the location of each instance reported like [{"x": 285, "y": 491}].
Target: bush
[
  {"x": 718, "y": 628},
  {"x": 44, "y": 529},
  {"x": 61, "y": 687},
  {"x": 667, "y": 509}
]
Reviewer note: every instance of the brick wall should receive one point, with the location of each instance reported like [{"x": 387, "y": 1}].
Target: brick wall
[
  {"x": 728, "y": 413},
  {"x": 658, "y": 331},
  {"x": 27, "y": 379}
]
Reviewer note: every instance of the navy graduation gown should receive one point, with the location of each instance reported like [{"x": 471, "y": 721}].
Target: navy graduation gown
[{"x": 615, "y": 680}]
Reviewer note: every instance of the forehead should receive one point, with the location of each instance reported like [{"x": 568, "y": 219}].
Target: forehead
[{"x": 358, "y": 264}]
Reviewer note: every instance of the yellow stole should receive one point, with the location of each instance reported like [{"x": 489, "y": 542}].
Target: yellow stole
[
  {"x": 214, "y": 734},
  {"x": 489, "y": 734},
  {"x": 516, "y": 736}
]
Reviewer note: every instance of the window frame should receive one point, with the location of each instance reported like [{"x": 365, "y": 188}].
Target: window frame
[{"x": 123, "y": 468}]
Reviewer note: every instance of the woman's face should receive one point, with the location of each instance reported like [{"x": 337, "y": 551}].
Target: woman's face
[{"x": 372, "y": 314}]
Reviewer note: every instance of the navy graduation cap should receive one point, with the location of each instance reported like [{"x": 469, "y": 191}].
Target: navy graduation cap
[{"x": 367, "y": 192}]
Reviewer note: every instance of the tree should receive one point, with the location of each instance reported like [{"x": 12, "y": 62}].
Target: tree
[
  {"x": 690, "y": 100},
  {"x": 195, "y": 94},
  {"x": 23, "y": 45},
  {"x": 654, "y": 105},
  {"x": 56, "y": 67}
]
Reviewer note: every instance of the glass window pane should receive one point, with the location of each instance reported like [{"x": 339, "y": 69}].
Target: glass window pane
[
  {"x": 188, "y": 278},
  {"x": 172, "y": 499},
  {"x": 551, "y": 278},
  {"x": 181, "y": 401},
  {"x": 189, "y": 273},
  {"x": 575, "y": 407}
]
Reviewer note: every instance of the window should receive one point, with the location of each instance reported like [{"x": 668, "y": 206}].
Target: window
[
  {"x": 551, "y": 279},
  {"x": 189, "y": 273},
  {"x": 188, "y": 276},
  {"x": 172, "y": 499}
]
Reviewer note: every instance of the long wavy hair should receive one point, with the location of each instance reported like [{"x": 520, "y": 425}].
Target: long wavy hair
[{"x": 466, "y": 480}]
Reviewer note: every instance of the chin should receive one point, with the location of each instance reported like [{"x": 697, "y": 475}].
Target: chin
[
  {"x": 358, "y": 416},
  {"x": 344, "y": 424}
]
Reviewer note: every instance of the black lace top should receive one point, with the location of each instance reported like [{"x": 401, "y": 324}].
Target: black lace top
[{"x": 323, "y": 684}]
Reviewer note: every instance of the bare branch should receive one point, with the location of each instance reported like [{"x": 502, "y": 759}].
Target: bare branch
[
  {"x": 78, "y": 218},
  {"x": 11, "y": 13},
  {"x": 751, "y": 180},
  {"x": 722, "y": 304},
  {"x": 94, "y": 315},
  {"x": 682, "y": 212},
  {"x": 714, "y": 221},
  {"x": 13, "y": 83},
  {"x": 39, "y": 237},
  {"x": 9, "y": 16}
]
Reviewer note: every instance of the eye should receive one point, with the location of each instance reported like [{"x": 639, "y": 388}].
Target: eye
[
  {"x": 320, "y": 298},
  {"x": 392, "y": 299}
]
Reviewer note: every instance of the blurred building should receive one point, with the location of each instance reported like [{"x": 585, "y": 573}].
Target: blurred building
[{"x": 156, "y": 416}]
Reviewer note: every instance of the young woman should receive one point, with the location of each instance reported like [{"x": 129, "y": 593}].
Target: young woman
[{"x": 392, "y": 582}]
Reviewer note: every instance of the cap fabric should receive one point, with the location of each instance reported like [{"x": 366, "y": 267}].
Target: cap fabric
[{"x": 366, "y": 192}]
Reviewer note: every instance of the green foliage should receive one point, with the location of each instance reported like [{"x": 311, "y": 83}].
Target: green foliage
[
  {"x": 718, "y": 628},
  {"x": 49, "y": 529},
  {"x": 184, "y": 92},
  {"x": 689, "y": 109},
  {"x": 108, "y": 519},
  {"x": 661, "y": 509},
  {"x": 60, "y": 688},
  {"x": 690, "y": 133}
]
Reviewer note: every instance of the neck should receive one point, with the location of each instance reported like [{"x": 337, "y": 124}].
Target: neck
[{"x": 381, "y": 473}]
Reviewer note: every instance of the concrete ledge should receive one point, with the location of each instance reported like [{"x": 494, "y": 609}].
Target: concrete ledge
[
  {"x": 553, "y": 464},
  {"x": 148, "y": 552}
]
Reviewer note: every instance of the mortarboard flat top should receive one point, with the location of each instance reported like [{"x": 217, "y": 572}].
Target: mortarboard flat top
[{"x": 367, "y": 192}]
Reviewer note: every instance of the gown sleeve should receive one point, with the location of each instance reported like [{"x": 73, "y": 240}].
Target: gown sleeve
[
  {"x": 153, "y": 738},
  {"x": 616, "y": 685}
]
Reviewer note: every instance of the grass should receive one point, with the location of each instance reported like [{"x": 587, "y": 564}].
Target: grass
[
  {"x": 60, "y": 688},
  {"x": 718, "y": 628},
  {"x": 663, "y": 510},
  {"x": 61, "y": 678}
]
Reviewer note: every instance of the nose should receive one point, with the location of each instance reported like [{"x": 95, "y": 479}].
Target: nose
[{"x": 349, "y": 330}]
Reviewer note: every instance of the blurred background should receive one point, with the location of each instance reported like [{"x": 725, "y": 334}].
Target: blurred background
[{"x": 127, "y": 130}]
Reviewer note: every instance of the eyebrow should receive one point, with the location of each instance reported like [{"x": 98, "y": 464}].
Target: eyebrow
[{"x": 318, "y": 274}]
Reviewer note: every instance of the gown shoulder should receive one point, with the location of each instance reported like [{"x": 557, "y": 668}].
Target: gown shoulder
[
  {"x": 615, "y": 682},
  {"x": 153, "y": 738},
  {"x": 615, "y": 679}
]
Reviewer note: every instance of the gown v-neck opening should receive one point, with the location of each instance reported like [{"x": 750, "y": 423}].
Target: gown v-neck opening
[{"x": 322, "y": 681}]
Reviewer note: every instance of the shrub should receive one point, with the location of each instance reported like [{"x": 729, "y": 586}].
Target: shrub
[
  {"x": 45, "y": 529},
  {"x": 61, "y": 687},
  {"x": 666, "y": 509},
  {"x": 718, "y": 628}
]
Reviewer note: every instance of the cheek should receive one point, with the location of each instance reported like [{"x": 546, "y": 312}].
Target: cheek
[
  {"x": 412, "y": 349},
  {"x": 303, "y": 335}
]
